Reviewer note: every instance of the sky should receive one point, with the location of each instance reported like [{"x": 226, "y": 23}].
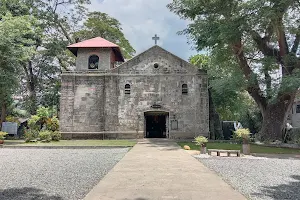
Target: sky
[{"x": 142, "y": 19}]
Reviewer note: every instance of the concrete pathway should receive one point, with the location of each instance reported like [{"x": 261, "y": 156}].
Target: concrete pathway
[{"x": 160, "y": 170}]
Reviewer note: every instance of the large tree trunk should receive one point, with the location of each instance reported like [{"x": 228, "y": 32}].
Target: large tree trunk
[
  {"x": 3, "y": 114},
  {"x": 274, "y": 119},
  {"x": 31, "y": 87},
  {"x": 32, "y": 99}
]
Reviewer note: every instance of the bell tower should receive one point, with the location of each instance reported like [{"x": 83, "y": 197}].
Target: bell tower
[{"x": 96, "y": 54}]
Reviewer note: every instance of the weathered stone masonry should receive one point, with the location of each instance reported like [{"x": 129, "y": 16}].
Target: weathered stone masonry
[{"x": 95, "y": 103}]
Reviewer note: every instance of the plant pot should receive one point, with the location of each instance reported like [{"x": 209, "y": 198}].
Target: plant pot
[
  {"x": 1, "y": 141},
  {"x": 245, "y": 140},
  {"x": 246, "y": 149},
  {"x": 203, "y": 149}
]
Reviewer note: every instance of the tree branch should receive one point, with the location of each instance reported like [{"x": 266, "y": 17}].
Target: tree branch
[
  {"x": 268, "y": 81},
  {"x": 26, "y": 71},
  {"x": 262, "y": 45},
  {"x": 281, "y": 37},
  {"x": 64, "y": 32},
  {"x": 253, "y": 86}
]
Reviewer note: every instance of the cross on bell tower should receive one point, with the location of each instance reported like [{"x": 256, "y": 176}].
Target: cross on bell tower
[{"x": 155, "y": 38}]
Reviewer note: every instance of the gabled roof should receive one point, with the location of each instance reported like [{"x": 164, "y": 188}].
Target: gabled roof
[
  {"x": 155, "y": 48},
  {"x": 97, "y": 42}
]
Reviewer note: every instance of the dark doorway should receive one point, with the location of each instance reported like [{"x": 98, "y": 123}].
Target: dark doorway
[{"x": 156, "y": 125}]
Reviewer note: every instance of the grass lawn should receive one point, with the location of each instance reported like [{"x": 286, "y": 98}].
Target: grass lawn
[
  {"x": 253, "y": 148},
  {"x": 127, "y": 143}
]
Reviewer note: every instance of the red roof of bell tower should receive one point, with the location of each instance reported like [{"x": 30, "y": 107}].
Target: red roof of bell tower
[{"x": 97, "y": 42}]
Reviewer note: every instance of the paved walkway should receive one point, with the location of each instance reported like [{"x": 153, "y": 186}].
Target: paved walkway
[{"x": 160, "y": 170}]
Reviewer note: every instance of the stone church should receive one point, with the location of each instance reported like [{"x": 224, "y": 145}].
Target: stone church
[{"x": 154, "y": 95}]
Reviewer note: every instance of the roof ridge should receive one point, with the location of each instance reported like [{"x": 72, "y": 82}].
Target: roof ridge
[{"x": 93, "y": 42}]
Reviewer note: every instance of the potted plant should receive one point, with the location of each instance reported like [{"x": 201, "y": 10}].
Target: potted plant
[
  {"x": 2, "y": 136},
  {"x": 244, "y": 135},
  {"x": 201, "y": 141}
]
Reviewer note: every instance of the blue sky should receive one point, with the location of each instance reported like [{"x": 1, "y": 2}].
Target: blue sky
[{"x": 142, "y": 19}]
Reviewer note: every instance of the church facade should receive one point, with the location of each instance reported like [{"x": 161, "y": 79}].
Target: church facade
[{"x": 154, "y": 95}]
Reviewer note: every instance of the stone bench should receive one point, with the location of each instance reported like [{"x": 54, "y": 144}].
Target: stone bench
[{"x": 237, "y": 152}]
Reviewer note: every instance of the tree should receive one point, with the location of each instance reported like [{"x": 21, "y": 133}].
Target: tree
[
  {"x": 102, "y": 25},
  {"x": 259, "y": 37},
  {"x": 57, "y": 20},
  {"x": 14, "y": 32},
  {"x": 227, "y": 98}
]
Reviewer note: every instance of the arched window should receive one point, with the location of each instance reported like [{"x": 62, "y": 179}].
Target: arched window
[
  {"x": 127, "y": 89},
  {"x": 93, "y": 62},
  {"x": 184, "y": 89}
]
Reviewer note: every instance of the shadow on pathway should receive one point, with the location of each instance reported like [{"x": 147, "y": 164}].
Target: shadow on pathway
[
  {"x": 283, "y": 191},
  {"x": 26, "y": 193}
]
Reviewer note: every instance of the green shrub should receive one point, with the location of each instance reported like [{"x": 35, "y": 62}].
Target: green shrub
[
  {"x": 33, "y": 122},
  {"x": 52, "y": 124},
  {"x": 200, "y": 140},
  {"x": 12, "y": 119},
  {"x": 43, "y": 112},
  {"x": 45, "y": 136},
  {"x": 56, "y": 136},
  {"x": 2, "y": 135},
  {"x": 30, "y": 135}
]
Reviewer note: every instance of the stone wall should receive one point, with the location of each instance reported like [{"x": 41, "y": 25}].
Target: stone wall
[
  {"x": 111, "y": 103},
  {"x": 82, "y": 103},
  {"x": 67, "y": 104}
]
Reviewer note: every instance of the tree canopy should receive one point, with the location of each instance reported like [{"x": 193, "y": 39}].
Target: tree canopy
[
  {"x": 53, "y": 25},
  {"x": 102, "y": 25},
  {"x": 258, "y": 37},
  {"x": 14, "y": 33},
  {"x": 227, "y": 95}
]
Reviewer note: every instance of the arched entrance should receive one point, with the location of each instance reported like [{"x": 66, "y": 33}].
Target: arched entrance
[{"x": 156, "y": 124}]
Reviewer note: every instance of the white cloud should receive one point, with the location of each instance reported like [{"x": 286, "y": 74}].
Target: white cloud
[{"x": 142, "y": 19}]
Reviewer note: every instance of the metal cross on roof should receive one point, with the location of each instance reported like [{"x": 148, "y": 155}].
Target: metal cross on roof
[{"x": 155, "y": 38}]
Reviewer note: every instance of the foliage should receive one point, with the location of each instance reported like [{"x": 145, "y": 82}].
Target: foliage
[
  {"x": 252, "y": 118},
  {"x": 12, "y": 54},
  {"x": 102, "y": 25},
  {"x": 55, "y": 135},
  {"x": 54, "y": 24},
  {"x": 200, "y": 140},
  {"x": 43, "y": 113},
  {"x": 242, "y": 133},
  {"x": 2, "y": 135},
  {"x": 293, "y": 135},
  {"x": 52, "y": 123},
  {"x": 33, "y": 122},
  {"x": 260, "y": 40},
  {"x": 12, "y": 119},
  {"x": 30, "y": 134},
  {"x": 45, "y": 136},
  {"x": 51, "y": 26},
  {"x": 228, "y": 95}
]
